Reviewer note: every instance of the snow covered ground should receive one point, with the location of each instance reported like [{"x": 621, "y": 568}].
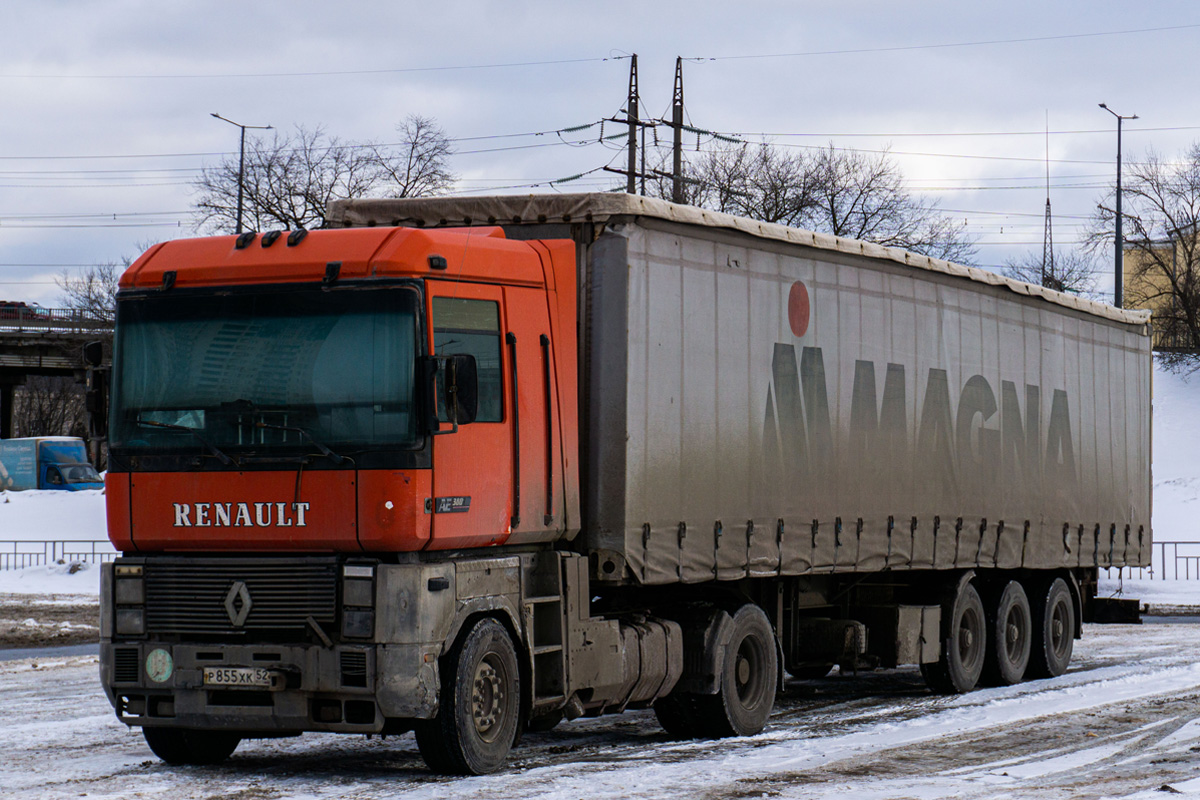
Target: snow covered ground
[{"x": 1123, "y": 722}]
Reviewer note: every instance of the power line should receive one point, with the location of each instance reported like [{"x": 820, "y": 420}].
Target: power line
[
  {"x": 310, "y": 74},
  {"x": 941, "y": 46}
]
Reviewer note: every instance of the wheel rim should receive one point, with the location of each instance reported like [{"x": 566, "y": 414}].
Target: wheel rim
[
  {"x": 489, "y": 700},
  {"x": 1016, "y": 634},
  {"x": 970, "y": 637},
  {"x": 747, "y": 672},
  {"x": 1060, "y": 623}
]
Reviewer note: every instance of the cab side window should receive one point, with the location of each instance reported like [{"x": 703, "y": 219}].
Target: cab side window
[{"x": 472, "y": 327}]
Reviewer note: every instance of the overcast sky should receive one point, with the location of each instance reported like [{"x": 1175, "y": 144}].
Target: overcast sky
[{"x": 106, "y": 104}]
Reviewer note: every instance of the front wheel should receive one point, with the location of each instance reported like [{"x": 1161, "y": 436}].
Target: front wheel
[
  {"x": 181, "y": 746},
  {"x": 749, "y": 676},
  {"x": 480, "y": 705}
]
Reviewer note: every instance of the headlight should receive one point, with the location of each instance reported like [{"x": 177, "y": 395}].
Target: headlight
[{"x": 131, "y": 621}]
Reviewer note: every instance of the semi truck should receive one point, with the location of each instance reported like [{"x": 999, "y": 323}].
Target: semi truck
[
  {"x": 469, "y": 467},
  {"x": 46, "y": 462}
]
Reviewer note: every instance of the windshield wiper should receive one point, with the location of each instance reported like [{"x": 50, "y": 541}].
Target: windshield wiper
[
  {"x": 226, "y": 460},
  {"x": 332, "y": 456}
]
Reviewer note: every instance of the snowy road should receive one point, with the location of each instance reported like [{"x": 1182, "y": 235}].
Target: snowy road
[{"x": 1125, "y": 720}]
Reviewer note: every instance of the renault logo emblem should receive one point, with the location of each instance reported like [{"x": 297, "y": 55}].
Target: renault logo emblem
[{"x": 237, "y": 603}]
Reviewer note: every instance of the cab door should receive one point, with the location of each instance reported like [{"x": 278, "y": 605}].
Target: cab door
[{"x": 473, "y": 468}]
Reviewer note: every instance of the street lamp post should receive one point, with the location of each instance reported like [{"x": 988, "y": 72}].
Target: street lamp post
[
  {"x": 1119, "y": 244},
  {"x": 241, "y": 160}
]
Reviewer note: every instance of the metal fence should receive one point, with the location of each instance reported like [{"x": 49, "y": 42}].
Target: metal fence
[
  {"x": 20, "y": 553},
  {"x": 1178, "y": 561},
  {"x": 35, "y": 318},
  {"x": 1169, "y": 561}
]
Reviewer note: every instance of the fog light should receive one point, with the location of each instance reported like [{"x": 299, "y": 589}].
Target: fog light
[
  {"x": 130, "y": 592},
  {"x": 133, "y": 705},
  {"x": 131, "y": 621},
  {"x": 358, "y": 624}
]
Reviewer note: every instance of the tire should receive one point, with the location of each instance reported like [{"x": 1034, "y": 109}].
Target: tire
[
  {"x": 678, "y": 716},
  {"x": 1010, "y": 637},
  {"x": 1054, "y": 626},
  {"x": 749, "y": 678},
  {"x": 480, "y": 705},
  {"x": 810, "y": 672},
  {"x": 964, "y": 644},
  {"x": 182, "y": 746}
]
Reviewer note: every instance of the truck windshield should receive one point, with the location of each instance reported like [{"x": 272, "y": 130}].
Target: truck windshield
[
  {"x": 266, "y": 372},
  {"x": 79, "y": 473}
]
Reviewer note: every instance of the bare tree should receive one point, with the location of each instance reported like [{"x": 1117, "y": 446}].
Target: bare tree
[
  {"x": 1162, "y": 249},
  {"x": 417, "y": 166},
  {"x": 863, "y": 196},
  {"x": 289, "y": 179},
  {"x": 1072, "y": 271},
  {"x": 846, "y": 193},
  {"x": 93, "y": 291},
  {"x": 45, "y": 406}
]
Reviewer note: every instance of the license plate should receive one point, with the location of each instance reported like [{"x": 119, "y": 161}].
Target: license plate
[{"x": 255, "y": 677}]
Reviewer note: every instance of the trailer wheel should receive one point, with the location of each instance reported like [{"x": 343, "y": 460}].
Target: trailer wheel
[
  {"x": 964, "y": 643},
  {"x": 748, "y": 679},
  {"x": 181, "y": 746},
  {"x": 1010, "y": 632},
  {"x": 1053, "y": 631},
  {"x": 479, "y": 707}
]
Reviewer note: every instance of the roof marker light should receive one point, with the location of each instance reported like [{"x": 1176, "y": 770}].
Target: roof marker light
[{"x": 270, "y": 237}]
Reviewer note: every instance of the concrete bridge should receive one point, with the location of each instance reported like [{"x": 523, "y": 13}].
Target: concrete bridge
[{"x": 41, "y": 341}]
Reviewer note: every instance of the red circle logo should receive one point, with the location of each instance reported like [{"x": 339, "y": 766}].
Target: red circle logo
[{"x": 798, "y": 308}]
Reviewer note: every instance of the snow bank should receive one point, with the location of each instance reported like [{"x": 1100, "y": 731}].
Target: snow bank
[
  {"x": 1175, "y": 451},
  {"x": 75, "y": 577},
  {"x": 53, "y": 515}
]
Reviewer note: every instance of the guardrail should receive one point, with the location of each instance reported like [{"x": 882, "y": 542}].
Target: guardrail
[
  {"x": 21, "y": 553},
  {"x": 36, "y": 318},
  {"x": 1169, "y": 560}
]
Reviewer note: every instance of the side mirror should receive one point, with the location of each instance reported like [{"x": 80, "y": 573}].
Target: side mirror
[
  {"x": 93, "y": 354},
  {"x": 96, "y": 394},
  {"x": 451, "y": 391}
]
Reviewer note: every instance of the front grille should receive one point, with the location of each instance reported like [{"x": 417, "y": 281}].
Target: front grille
[
  {"x": 125, "y": 665},
  {"x": 269, "y": 598},
  {"x": 354, "y": 668}
]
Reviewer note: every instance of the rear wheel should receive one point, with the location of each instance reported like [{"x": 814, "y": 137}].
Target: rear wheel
[
  {"x": 748, "y": 679},
  {"x": 1053, "y": 631},
  {"x": 964, "y": 632},
  {"x": 179, "y": 746},
  {"x": 1010, "y": 633},
  {"x": 479, "y": 707}
]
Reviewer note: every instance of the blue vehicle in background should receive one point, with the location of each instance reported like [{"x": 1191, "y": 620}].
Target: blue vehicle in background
[{"x": 46, "y": 462}]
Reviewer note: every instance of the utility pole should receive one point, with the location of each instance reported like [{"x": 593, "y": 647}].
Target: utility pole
[
  {"x": 1048, "y": 236},
  {"x": 631, "y": 113},
  {"x": 632, "y": 173},
  {"x": 241, "y": 161},
  {"x": 1118, "y": 244},
  {"x": 677, "y": 126}
]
